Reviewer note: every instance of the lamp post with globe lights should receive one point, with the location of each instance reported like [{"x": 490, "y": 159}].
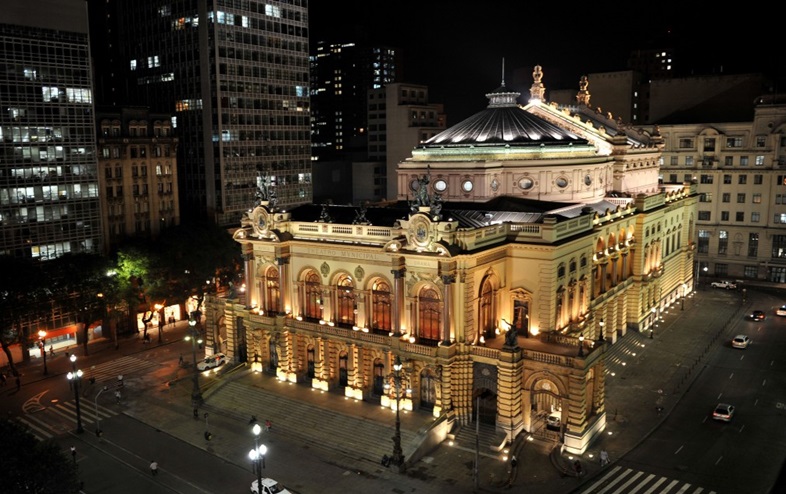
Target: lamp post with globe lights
[
  {"x": 581, "y": 345},
  {"x": 398, "y": 454},
  {"x": 42, "y": 344},
  {"x": 76, "y": 376},
  {"x": 194, "y": 337},
  {"x": 257, "y": 455}
]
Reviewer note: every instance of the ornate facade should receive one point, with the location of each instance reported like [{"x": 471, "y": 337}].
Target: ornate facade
[{"x": 537, "y": 236}]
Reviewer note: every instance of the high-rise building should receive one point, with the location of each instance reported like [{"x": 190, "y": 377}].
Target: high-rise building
[
  {"x": 49, "y": 197},
  {"x": 236, "y": 79}
]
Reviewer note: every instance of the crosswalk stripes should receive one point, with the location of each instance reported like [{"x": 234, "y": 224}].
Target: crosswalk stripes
[
  {"x": 57, "y": 419},
  {"x": 108, "y": 371},
  {"x": 619, "y": 480}
]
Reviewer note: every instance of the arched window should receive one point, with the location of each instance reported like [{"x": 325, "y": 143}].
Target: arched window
[
  {"x": 379, "y": 378},
  {"x": 345, "y": 296},
  {"x": 313, "y": 294},
  {"x": 272, "y": 291},
  {"x": 343, "y": 374},
  {"x": 486, "y": 311},
  {"x": 380, "y": 307},
  {"x": 429, "y": 313}
]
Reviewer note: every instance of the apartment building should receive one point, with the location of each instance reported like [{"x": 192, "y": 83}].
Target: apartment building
[
  {"x": 740, "y": 171},
  {"x": 137, "y": 169}
]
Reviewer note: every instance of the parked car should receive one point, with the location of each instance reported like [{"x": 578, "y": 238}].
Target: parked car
[
  {"x": 757, "y": 315},
  {"x": 740, "y": 341},
  {"x": 723, "y": 412},
  {"x": 553, "y": 421},
  {"x": 781, "y": 311},
  {"x": 212, "y": 361},
  {"x": 269, "y": 486},
  {"x": 728, "y": 285}
]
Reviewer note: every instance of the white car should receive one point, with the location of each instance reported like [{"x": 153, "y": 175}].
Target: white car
[
  {"x": 212, "y": 361},
  {"x": 781, "y": 311},
  {"x": 740, "y": 341},
  {"x": 269, "y": 486},
  {"x": 553, "y": 421},
  {"x": 728, "y": 285}
]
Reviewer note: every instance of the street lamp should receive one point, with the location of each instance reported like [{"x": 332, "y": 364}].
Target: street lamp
[
  {"x": 398, "y": 454},
  {"x": 42, "y": 344},
  {"x": 581, "y": 345},
  {"x": 193, "y": 337},
  {"x": 257, "y": 455},
  {"x": 76, "y": 376},
  {"x": 601, "y": 333},
  {"x": 98, "y": 417}
]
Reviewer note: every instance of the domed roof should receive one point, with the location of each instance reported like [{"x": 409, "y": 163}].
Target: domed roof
[{"x": 503, "y": 122}]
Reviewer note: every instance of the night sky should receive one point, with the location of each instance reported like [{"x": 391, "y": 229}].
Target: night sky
[{"x": 458, "y": 51}]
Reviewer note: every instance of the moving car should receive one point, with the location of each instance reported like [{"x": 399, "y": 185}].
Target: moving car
[
  {"x": 757, "y": 315},
  {"x": 723, "y": 412},
  {"x": 740, "y": 341},
  {"x": 269, "y": 486},
  {"x": 781, "y": 311},
  {"x": 728, "y": 285},
  {"x": 212, "y": 361}
]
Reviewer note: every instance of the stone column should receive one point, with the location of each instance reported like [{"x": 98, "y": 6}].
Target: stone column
[
  {"x": 447, "y": 282},
  {"x": 624, "y": 275},
  {"x": 398, "y": 298},
  {"x": 284, "y": 284},
  {"x": 249, "y": 273},
  {"x": 603, "y": 268}
]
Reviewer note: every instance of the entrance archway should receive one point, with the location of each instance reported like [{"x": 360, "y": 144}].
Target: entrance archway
[{"x": 484, "y": 406}]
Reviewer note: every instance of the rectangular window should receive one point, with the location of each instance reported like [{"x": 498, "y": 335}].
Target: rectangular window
[
  {"x": 758, "y": 179},
  {"x": 673, "y": 178},
  {"x": 726, "y": 197},
  {"x": 709, "y": 144},
  {"x": 780, "y": 218},
  {"x": 704, "y": 241},
  {"x": 753, "y": 245},
  {"x": 704, "y": 215},
  {"x": 760, "y": 160},
  {"x": 728, "y": 161},
  {"x": 740, "y": 198},
  {"x": 778, "y": 199},
  {"x": 781, "y": 180},
  {"x": 686, "y": 143},
  {"x": 724, "y": 216},
  {"x": 739, "y": 216},
  {"x": 706, "y": 179},
  {"x": 734, "y": 142},
  {"x": 761, "y": 141},
  {"x": 721, "y": 270},
  {"x": 705, "y": 197},
  {"x": 723, "y": 242},
  {"x": 755, "y": 217},
  {"x": 751, "y": 272},
  {"x": 742, "y": 179},
  {"x": 743, "y": 161},
  {"x": 689, "y": 161},
  {"x": 727, "y": 179},
  {"x": 757, "y": 198},
  {"x": 674, "y": 160},
  {"x": 779, "y": 246}
]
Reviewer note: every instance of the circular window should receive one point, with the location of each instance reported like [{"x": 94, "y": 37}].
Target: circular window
[
  {"x": 414, "y": 184},
  {"x": 440, "y": 185},
  {"x": 587, "y": 180},
  {"x": 562, "y": 182},
  {"x": 467, "y": 185},
  {"x": 494, "y": 185},
  {"x": 526, "y": 183}
]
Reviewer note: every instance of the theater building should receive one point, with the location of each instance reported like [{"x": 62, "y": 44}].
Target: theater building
[{"x": 525, "y": 241}]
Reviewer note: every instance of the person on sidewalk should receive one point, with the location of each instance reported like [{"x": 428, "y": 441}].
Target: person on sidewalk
[
  {"x": 117, "y": 396},
  {"x": 268, "y": 425},
  {"x": 604, "y": 458},
  {"x": 154, "y": 467},
  {"x": 51, "y": 351}
]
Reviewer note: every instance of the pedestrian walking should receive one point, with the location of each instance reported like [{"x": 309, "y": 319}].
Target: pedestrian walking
[
  {"x": 268, "y": 425},
  {"x": 154, "y": 467},
  {"x": 117, "y": 396},
  {"x": 73, "y": 453},
  {"x": 181, "y": 359},
  {"x": 604, "y": 458},
  {"x": 51, "y": 351},
  {"x": 577, "y": 467}
]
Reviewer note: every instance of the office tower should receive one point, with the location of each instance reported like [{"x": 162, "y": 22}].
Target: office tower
[
  {"x": 49, "y": 202},
  {"x": 236, "y": 81}
]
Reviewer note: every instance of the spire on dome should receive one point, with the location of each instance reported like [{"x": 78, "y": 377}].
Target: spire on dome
[
  {"x": 538, "y": 90},
  {"x": 583, "y": 96}
]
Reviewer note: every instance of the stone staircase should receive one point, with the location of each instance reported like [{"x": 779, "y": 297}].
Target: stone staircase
[
  {"x": 324, "y": 428},
  {"x": 490, "y": 442}
]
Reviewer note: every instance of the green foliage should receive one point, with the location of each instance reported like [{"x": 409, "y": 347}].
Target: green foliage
[{"x": 31, "y": 466}]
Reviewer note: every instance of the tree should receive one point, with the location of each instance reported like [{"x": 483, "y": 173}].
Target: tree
[
  {"x": 32, "y": 466},
  {"x": 22, "y": 299},
  {"x": 137, "y": 280}
]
